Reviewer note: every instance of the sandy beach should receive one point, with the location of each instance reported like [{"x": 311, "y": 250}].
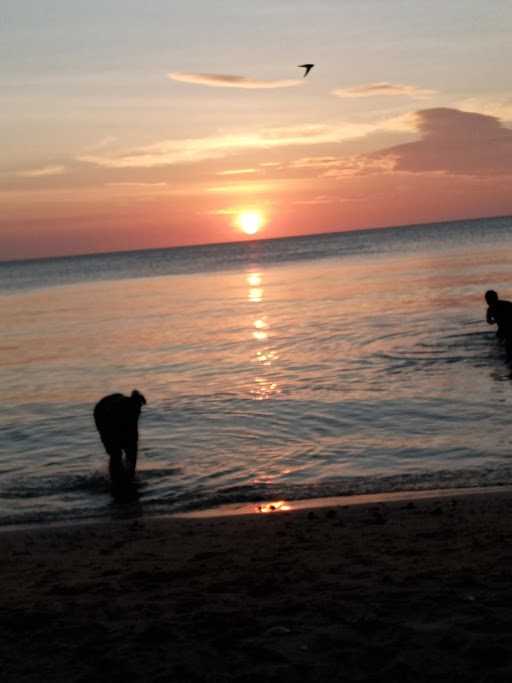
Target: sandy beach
[{"x": 417, "y": 590}]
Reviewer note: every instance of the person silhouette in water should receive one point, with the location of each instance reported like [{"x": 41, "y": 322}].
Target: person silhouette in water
[
  {"x": 499, "y": 312},
  {"x": 117, "y": 418}
]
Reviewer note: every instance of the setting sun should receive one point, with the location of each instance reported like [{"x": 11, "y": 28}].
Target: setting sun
[{"x": 250, "y": 222}]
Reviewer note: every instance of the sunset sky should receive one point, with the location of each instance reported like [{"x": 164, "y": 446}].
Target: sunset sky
[{"x": 129, "y": 124}]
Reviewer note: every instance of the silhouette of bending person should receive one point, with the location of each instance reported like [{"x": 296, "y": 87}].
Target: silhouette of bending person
[
  {"x": 117, "y": 417},
  {"x": 499, "y": 312}
]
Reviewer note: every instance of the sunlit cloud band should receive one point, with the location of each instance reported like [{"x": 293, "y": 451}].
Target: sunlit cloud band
[
  {"x": 383, "y": 89},
  {"x": 231, "y": 81},
  {"x": 174, "y": 151},
  {"x": 42, "y": 172}
]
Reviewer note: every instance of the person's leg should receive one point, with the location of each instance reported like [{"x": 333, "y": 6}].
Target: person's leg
[
  {"x": 131, "y": 459},
  {"x": 115, "y": 464},
  {"x": 508, "y": 346}
]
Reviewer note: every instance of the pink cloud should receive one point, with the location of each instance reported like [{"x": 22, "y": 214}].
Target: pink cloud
[
  {"x": 456, "y": 142},
  {"x": 451, "y": 141}
]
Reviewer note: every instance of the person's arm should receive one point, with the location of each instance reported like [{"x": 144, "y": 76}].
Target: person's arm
[{"x": 490, "y": 317}]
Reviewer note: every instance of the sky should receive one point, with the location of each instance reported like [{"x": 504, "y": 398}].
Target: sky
[{"x": 130, "y": 125}]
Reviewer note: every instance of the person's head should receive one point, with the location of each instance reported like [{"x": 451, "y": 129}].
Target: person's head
[
  {"x": 138, "y": 398},
  {"x": 491, "y": 297}
]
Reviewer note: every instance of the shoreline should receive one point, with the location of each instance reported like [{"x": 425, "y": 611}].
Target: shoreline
[
  {"x": 412, "y": 590},
  {"x": 274, "y": 507},
  {"x": 259, "y": 508}
]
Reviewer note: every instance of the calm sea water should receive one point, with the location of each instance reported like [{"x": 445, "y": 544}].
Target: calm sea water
[{"x": 285, "y": 369}]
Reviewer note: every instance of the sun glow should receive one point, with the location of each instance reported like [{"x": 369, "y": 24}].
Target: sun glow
[{"x": 250, "y": 222}]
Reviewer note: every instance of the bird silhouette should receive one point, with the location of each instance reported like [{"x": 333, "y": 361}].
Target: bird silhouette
[{"x": 308, "y": 68}]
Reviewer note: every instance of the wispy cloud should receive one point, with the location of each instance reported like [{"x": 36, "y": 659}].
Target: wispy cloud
[
  {"x": 238, "y": 171},
  {"x": 135, "y": 184},
  {"x": 42, "y": 172},
  {"x": 315, "y": 201},
  {"x": 383, "y": 89},
  {"x": 137, "y": 189},
  {"x": 361, "y": 165},
  {"x": 176, "y": 151},
  {"x": 106, "y": 141},
  {"x": 220, "y": 212},
  {"x": 242, "y": 188},
  {"x": 315, "y": 162},
  {"x": 229, "y": 81}
]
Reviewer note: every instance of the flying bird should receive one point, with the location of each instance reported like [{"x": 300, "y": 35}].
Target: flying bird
[{"x": 308, "y": 68}]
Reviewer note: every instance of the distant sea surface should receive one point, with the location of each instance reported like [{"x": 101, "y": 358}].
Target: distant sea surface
[{"x": 335, "y": 364}]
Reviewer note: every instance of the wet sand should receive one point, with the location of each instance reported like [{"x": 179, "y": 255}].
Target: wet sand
[{"x": 417, "y": 590}]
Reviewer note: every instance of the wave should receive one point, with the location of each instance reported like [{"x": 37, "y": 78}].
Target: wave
[{"x": 142, "y": 502}]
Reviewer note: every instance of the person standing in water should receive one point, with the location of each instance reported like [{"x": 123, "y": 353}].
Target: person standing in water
[
  {"x": 117, "y": 417},
  {"x": 499, "y": 312}
]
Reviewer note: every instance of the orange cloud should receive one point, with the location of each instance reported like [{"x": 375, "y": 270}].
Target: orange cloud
[
  {"x": 361, "y": 165},
  {"x": 238, "y": 171},
  {"x": 175, "y": 151},
  {"x": 132, "y": 184},
  {"x": 243, "y": 188},
  {"x": 42, "y": 172},
  {"x": 383, "y": 89},
  {"x": 228, "y": 81},
  {"x": 314, "y": 201},
  {"x": 315, "y": 162}
]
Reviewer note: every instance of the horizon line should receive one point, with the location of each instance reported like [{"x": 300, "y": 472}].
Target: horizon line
[{"x": 252, "y": 241}]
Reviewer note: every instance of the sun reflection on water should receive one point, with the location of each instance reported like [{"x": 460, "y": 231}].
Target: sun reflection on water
[
  {"x": 254, "y": 279},
  {"x": 266, "y": 357},
  {"x": 264, "y": 387},
  {"x": 259, "y": 335},
  {"x": 256, "y": 294},
  {"x": 275, "y": 506}
]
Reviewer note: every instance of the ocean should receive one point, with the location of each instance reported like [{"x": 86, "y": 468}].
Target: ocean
[{"x": 288, "y": 369}]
